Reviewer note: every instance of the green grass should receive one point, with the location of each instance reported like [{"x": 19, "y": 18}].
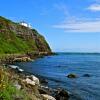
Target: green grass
[{"x": 9, "y": 43}]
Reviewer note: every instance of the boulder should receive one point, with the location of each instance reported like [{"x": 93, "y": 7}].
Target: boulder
[
  {"x": 47, "y": 97},
  {"x": 34, "y": 78},
  {"x": 72, "y": 75},
  {"x": 29, "y": 81},
  {"x": 61, "y": 94}
]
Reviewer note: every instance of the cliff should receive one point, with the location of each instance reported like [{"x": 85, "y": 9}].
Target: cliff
[{"x": 15, "y": 38}]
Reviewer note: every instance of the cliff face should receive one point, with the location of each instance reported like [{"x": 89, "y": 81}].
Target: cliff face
[{"x": 15, "y": 38}]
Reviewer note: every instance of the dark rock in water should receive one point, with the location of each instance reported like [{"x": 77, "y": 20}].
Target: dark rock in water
[
  {"x": 43, "y": 81},
  {"x": 72, "y": 76},
  {"x": 61, "y": 95},
  {"x": 86, "y": 75}
]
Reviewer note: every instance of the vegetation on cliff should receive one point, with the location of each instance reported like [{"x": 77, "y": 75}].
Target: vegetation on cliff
[{"x": 15, "y": 38}]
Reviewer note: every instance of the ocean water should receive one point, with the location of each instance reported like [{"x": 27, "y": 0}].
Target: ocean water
[{"x": 56, "y": 68}]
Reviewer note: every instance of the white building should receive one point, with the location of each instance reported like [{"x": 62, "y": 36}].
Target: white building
[{"x": 25, "y": 24}]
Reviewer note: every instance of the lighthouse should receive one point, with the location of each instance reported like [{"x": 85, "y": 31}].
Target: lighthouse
[{"x": 23, "y": 23}]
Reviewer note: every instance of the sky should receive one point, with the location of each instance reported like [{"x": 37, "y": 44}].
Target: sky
[{"x": 67, "y": 25}]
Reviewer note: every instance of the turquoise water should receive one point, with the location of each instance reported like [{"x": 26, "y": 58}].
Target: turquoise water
[{"x": 56, "y": 68}]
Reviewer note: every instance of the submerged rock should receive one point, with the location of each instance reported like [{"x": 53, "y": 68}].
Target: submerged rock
[
  {"x": 72, "y": 75},
  {"x": 86, "y": 75}
]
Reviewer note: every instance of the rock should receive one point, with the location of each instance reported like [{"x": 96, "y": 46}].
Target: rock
[
  {"x": 16, "y": 67},
  {"x": 34, "y": 78},
  {"x": 29, "y": 81},
  {"x": 47, "y": 97},
  {"x": 17, "y": 60},
  {"x": 72, "y": 76},
  {"x": 86, "y": 75},
  {"x": 45, "y": 90},
  {"x": 42, "y": 91},
  {"x": 61, "y": 94},
  {"x": 21, "y": 70},
  {"x": 22, "y": 59},
  {"x": 13, "y": 66}
]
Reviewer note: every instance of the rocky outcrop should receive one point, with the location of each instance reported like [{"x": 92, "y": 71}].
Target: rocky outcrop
[
  {"x": 72, "y": 75},
  {"x": 22, "y": 59}
]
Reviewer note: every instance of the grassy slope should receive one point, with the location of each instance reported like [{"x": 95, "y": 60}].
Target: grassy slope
[{"x": 11, "y": 43}]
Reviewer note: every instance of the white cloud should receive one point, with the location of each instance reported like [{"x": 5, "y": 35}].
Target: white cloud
[
  {"x": 80, "y": 26},
  {"x": 94, "y": 7}
]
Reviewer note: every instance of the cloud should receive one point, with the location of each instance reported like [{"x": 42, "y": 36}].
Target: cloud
[
  {"x": 80, "y": 26},
  {"x": 94, "y": 7}
]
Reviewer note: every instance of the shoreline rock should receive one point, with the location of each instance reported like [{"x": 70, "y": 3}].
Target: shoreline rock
[
  {"x": 72, "y": 75},
  {"x": 22, "y": 59}
]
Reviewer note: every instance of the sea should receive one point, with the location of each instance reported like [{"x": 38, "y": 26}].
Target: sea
[{"x": 55, "y": 69}]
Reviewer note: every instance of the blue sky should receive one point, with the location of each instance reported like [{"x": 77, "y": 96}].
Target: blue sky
[{"x": 68, "y": 25}]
